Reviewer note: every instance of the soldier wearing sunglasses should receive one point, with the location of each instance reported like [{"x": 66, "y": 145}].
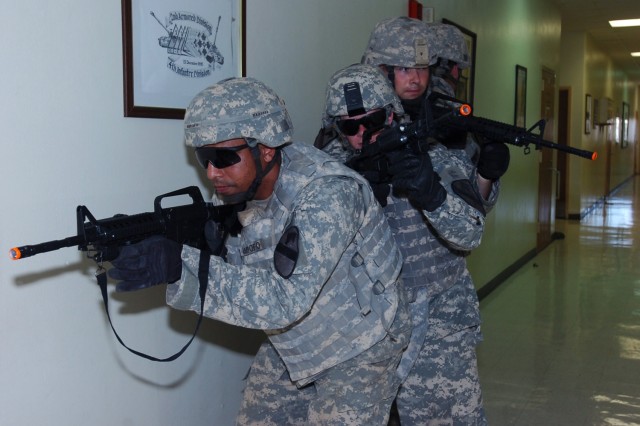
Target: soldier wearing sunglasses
[
  {"x": 436, "y": 207},
  {"x": 314, "y": 265}
]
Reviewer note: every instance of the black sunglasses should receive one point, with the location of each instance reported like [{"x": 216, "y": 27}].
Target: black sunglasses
[
  {"x": 372, "y": 120},
  {"x": 219, "y": 157}
]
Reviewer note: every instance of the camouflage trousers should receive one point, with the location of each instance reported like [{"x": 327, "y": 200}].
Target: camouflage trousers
[
  {"x": 440, "y": 383},
  {"x": 356, "y": 392}
]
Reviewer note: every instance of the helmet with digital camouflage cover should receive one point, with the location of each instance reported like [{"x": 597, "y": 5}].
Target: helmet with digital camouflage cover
[
  {"x": 399, "y": 42},
  {"x": 448, "y": 44},
  {"x": 358, "y": 89},
  {"x": 237, "y": 108}
]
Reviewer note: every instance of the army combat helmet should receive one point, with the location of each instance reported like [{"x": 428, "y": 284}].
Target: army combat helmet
[
  {"x": 237, "y": 108},
  {"x": 399, "y": 42},
  {"x": 358, "y": 89},
  {"x": 449, "y": 47}
]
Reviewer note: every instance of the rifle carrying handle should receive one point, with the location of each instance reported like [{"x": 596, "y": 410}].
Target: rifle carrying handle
[{"x": 192, "y": 191}]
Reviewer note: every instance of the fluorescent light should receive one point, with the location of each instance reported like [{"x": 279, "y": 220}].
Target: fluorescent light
[
  {"x": 625, "y": 23},
  {"x": 636, "y": 54}
]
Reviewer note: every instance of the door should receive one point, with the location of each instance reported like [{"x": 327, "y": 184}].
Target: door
[
  {"x": 564, "y": 118},
  {"x": 546, "y": 171}
]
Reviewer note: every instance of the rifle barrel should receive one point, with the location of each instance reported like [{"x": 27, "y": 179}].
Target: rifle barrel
[
  {"x": 31, "y": 250},
  {"x": 458, "y": 115},
  {"x": 519, "y": 137}
]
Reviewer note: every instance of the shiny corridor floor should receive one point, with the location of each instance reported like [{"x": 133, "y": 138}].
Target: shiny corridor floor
[{"x": 562, "y": 334}]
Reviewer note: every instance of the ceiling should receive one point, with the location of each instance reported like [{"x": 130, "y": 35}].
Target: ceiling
[{"x": 592, "y": 17}]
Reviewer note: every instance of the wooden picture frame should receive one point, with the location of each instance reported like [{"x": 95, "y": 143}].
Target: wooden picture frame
[
  {"x": 588, "y": 114},
  {"x": 172, "y": 50},
  {"x": 466, "y": 84},
  {"x": 520, "y": 109}
]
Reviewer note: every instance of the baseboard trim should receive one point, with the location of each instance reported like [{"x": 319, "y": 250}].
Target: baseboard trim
[
  {"x": 599, "y": 202},
  {"x": 486, "y": 289},
  {"x": 579, "y": 216}
]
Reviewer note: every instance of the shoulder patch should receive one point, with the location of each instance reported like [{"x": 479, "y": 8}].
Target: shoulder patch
[{"x": 285, "y": 256}]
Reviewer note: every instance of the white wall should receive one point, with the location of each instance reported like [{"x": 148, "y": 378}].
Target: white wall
[
  {"x": 65, "y": 142},
  {"x": 296, "y": 52}
]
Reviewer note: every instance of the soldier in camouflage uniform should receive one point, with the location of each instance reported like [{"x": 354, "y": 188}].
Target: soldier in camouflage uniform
[
  {"x": 438, "y": 373},
  {"x": 447, "y": 44},
  {"x": 315, "y": 266},
  {"x": 452, "y": 56},
  {"x": 439, "y": 368}
]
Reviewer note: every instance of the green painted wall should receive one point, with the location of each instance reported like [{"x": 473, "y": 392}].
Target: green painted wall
[
  {"x": 529, "y": 33},
  {"x": 586, "y": 69},
  {"x": 509, "y": 33}
]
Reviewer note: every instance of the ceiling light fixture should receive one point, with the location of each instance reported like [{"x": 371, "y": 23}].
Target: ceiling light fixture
[
  {"x": 625, "y": 23},
  {"x": 636, "y": 54}
]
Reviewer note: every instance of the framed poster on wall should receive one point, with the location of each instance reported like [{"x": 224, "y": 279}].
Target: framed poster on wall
[
  {"x": 520, "y": 110},
  {"x": 174, "y": 49},
  {"x": 588, "y": 113}
]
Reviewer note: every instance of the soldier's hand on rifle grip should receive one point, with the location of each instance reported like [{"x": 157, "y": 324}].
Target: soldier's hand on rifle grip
[
  {"x": 155, "y": 260},
  {"x": 379, "y": 185},
  {"x": 414, "y": 175},
  {"x": 215, "y": 235},
  {"x": 493, "y": 161}
]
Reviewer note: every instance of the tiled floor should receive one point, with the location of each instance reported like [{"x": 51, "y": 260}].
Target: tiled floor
[{"x": 562, "y": 335}]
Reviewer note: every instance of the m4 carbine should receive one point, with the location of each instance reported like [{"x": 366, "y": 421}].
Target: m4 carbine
[
  {"x": 448, "y": 117},
  {"x": 101, "y": 238}
]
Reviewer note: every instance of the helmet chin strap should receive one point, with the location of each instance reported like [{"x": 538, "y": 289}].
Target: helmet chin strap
[
  {"x": 391, "y": 75},
  {"x": 260, "y": 174}
]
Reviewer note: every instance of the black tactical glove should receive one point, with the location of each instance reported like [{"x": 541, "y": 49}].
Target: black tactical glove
[
  {"x": 414, "y": 175},
  {"x": 380, "y": 187},
  {"x": 215, "y": 236},
  {"x": 493, "y": 161},
  {"x": 153, "y": 261}
]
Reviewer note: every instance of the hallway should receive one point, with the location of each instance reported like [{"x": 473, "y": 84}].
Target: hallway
[{"x": 562, "y": 335}]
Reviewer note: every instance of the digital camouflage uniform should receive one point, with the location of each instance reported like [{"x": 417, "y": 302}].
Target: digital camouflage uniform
[
  {"x": 447, "y": 365},
  {"x": 439, "y": 371},
  {"x": 338, "y": 324},
  {"x": 439, "y": 368}
]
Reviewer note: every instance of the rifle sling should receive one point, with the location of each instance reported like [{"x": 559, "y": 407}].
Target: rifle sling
[{"x": 203, "y": 276}]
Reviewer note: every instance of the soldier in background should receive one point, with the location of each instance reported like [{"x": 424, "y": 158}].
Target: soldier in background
[
  {"x": 314, "y": 266},
  {"x": 452, "y": 57}
]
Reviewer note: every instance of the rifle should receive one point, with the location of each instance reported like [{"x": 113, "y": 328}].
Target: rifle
[
  {"x": 448, "y": 117},
  {"x": 102, "y": 238}
]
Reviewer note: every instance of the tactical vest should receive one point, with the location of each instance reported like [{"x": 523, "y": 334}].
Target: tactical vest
[
  {"x": 428, "y": 261},
  {"x": 358, "y": 303}
]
